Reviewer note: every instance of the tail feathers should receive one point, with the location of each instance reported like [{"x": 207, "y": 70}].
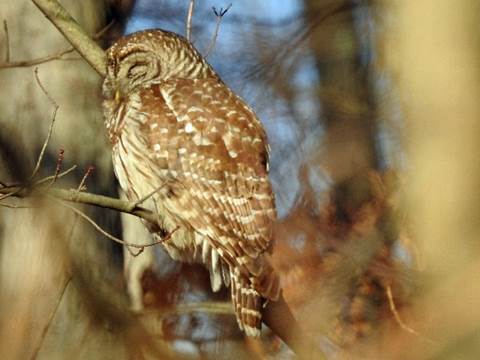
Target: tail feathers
[
  {"x": 219, "y": 274},
  {"x": 218, "y": 269},
  {"x": 247, "y": 303}
]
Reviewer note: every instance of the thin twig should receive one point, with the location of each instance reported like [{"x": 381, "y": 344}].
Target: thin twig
[
  {"x": 49, "y": 178},
  {"x": 50, "y": 130},
  {"x": 37, "y": 61},
  {"x": 58, "y": 166},
  {"x": 110, "y": 236},
  {"x": 47, "y": 94},
  {"x": 210, "y": 307},
  {"x": 395, "y": 313},
  {"x": 94, "y": 224},
  {"x": 7, "y": 41},
  {"x": 189, "y": 20},
  {"x": 10, "y": 206},
  {"x": 102, "y": 31},
  {"x": 219, "y": 15},
  {"x": 50, "y": 318},
  {"x": 62, "y": 293},
  {"x": 84, "y": 198},
  {"x": 74, "y": 33},
  {"x": 57, "y": 56},
  {"x": 13, "y": 193},
  {"x": 149, "y": 195},
  {"x": 82, "y": 186},
  {"x": 96, "y": 200}
]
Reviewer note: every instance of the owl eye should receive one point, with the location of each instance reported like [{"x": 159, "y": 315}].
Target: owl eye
[{"x": 136, "y": 71}]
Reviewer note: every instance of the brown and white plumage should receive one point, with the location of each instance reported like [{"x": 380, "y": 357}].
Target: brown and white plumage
[{"x": 175, "y": 126}]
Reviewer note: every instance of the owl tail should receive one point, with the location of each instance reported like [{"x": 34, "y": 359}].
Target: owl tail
[{"x": 247, "y": 303}]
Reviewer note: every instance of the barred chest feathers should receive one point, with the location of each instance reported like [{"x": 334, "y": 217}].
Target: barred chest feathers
[{"x": 179, "y": 132}]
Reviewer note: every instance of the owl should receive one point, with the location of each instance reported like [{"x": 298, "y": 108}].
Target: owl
[{"x": 180, "y": 134}]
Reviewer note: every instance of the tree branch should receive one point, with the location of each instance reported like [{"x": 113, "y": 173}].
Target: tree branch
[
  {"x": 50, "y": 129},
  {"x": 73, "y": 32},
  {"x": 29, "y": 63},
  {"x": 210, "y": 307},
  {"x": 140, "y": 247},
  {"x": 188, "y": 32},
  {"x": 76, "y": 196},
  {"x": 41, "y": 60},
  {"x": 50, "y": 318},
  {"x": 219, "y": 15}
]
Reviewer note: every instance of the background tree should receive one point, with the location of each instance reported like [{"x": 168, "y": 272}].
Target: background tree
[{"x": 55, "y": 271}]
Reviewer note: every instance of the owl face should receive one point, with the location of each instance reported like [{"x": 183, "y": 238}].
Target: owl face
[{"x": 151, "y": 56}]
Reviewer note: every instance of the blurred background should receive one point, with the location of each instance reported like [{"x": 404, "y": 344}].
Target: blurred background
[{"x": 372, "y": 113}]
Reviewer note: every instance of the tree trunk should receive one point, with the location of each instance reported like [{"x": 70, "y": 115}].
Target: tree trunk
[{"x": 56, "y": 272}]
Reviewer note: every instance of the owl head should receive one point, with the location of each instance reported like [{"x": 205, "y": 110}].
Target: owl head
[{"x": 151, "y": 56}]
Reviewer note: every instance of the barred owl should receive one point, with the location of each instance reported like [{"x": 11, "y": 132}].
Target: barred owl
[{"x": 175, "y": 127}]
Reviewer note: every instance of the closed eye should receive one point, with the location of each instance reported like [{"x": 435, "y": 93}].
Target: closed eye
[{"x": 136, "y": 71}]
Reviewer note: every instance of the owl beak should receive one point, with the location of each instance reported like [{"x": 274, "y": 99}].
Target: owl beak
[{"x": 117, "y": 96}]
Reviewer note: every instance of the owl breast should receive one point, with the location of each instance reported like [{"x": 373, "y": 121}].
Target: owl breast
[
  {"x": 126, "y": 125},
  {"x": 201, "y": 153}
]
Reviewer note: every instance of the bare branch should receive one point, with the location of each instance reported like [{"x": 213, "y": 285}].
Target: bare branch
[
  {"x": 395, "y": 313},
  {"x": 57, "y": 56},
  {"x": 94, "y": 224},
  {"x": 82, "y": 197},
  {"x": 82, "y": 185},
  {"x": 103, "y": 201},
  {"x": 50, "y": 130},
  {"x": 102, "y": 32},
  {"x": 219, "y": 15},
  {"x": 7, "y": 41},
  {"x": 210, "y": 307},
  {"x": 146, "y": 197},
  {"x": 58, "y": 166},
  {"x": 37, "y": 61},
  {"x": 74, "y": 33},
  {"x": 13, "y": 193},
  {"x": 52, "y": 315},
  {"x": 10, "y": 206},
  {"x": 189, "y": 20},
  {"x": 113, "y": 238},
  {"x": 49, "y": 178},
  {"x": 90, "y": 199}
]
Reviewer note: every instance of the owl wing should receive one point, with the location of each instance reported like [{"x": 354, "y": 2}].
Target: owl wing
[{"x": 214, "y": 150}]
